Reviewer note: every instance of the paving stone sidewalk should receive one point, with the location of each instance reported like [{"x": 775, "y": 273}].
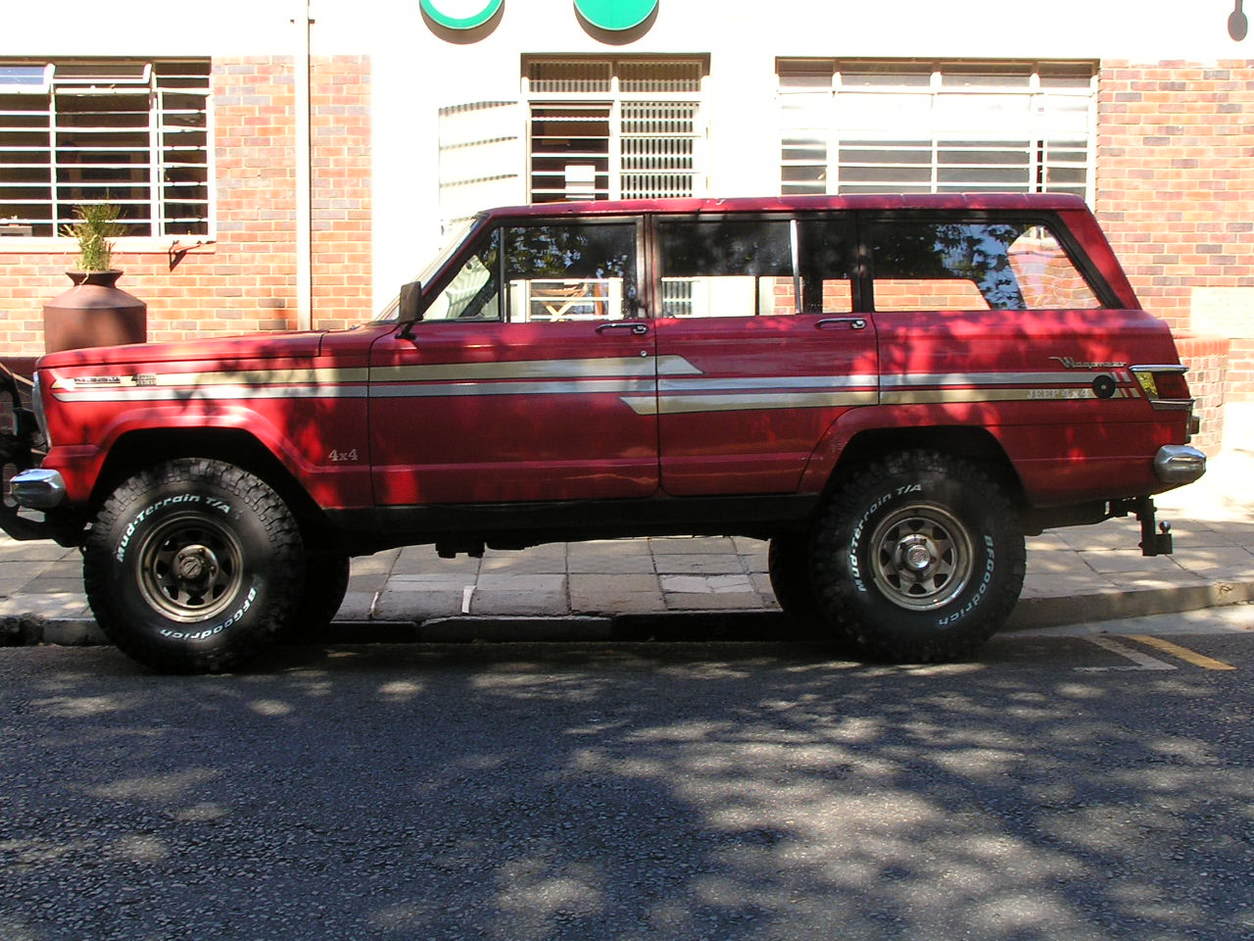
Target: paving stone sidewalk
[{"x": 1074, "y": 574}]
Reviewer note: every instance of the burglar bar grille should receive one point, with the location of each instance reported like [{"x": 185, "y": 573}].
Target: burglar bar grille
[
  {"x": 135, "y": 134},
  {"x": 908, "y": 127},
  {"x": 636, "y": 134}
]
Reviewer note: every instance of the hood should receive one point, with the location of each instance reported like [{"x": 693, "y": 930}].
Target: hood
[{"x": 251, "y": 346}]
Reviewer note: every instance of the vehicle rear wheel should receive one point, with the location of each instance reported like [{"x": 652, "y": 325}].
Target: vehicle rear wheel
[
  {"x": 788, "y": 564},
  {"x": 918, "y": 557},
  {"x": 188, "y": 565}
]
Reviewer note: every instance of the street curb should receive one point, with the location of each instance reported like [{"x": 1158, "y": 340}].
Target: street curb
[
  {"x": 1032, "y": 613},
  {"x": 1029, "y": 614}
]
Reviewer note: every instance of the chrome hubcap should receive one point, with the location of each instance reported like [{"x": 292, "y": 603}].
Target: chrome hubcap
[
  {"x": 921, "y": 557},
  {"x": 190, "y": 568}
]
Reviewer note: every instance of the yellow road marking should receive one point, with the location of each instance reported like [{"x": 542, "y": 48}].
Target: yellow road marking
[{"x": 1184, "y": 653}]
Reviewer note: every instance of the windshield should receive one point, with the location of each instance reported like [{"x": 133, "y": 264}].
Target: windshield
[{"x": 455, "y": 236}]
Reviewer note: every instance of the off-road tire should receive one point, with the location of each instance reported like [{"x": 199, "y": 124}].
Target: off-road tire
[
  {"x": 917, "y": 557},
  {"x": 326, "y": 583},
  {"x": 788, "y": 566},
  {"x": 189, "y": 566}
]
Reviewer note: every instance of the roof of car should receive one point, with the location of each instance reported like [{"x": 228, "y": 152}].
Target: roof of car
[{"x": 926, "y": 201}]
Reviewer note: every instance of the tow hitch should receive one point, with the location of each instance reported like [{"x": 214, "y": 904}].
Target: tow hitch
[{"x": 1155, "y": 539}]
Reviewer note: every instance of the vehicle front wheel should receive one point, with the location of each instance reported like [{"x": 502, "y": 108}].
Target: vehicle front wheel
[
  {"x": 918, "y": 557},
  {"x": 188, "y": 566},
  {"x": 326, "y": 584}
]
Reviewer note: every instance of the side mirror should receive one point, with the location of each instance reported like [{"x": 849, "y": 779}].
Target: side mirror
[{"x": 410, "y": 301}]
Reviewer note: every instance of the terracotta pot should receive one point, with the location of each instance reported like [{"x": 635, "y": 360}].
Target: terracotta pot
[{"x": 94, "y": 313}]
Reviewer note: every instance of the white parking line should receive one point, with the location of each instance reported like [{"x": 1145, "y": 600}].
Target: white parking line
[{"x": 1142, "y": 661}]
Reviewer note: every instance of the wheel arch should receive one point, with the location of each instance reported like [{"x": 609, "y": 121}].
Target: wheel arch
[
  {"x": 136, "y": 449},
  {"x": 974, "y": 443}
]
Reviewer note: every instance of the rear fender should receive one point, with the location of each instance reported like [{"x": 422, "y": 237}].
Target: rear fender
[{"x": 862, "y": 434}]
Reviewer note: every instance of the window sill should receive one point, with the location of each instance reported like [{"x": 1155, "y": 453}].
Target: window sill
[{"x": 126, "y": 245}]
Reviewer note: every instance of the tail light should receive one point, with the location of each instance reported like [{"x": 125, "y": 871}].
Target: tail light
[{"x": 1164, "y": 385}]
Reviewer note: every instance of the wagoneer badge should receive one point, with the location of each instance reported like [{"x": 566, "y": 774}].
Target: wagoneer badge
[{"x": 1070, "y": 363}]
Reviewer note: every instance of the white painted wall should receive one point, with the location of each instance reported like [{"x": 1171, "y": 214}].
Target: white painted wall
[{"x": 1139, "y": 29}]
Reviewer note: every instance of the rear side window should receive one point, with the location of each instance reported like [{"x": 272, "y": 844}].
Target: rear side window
[
  {"x": 1002, "y": 265},
  {"x": 736, "y": 267}
]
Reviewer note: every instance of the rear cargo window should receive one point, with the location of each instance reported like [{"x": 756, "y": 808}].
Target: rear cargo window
[{"x": 1008, "y": 265}]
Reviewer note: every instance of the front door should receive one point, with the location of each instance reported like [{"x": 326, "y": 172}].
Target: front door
[{"x": 515, "y": 385}]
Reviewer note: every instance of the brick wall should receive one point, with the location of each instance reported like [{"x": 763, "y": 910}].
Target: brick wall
[
  {"x": 247, "y": 280},
  {"x": 342, "y": 247},
  {"x": 1240, "y": 386},
  {"x": 1175, "y": 187},
  {"x": 1207, "y": 359}
]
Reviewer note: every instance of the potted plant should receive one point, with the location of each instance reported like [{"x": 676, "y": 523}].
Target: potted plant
[
  {"x": 94, "y": 312},
  {"x": 97, "y": 224}
]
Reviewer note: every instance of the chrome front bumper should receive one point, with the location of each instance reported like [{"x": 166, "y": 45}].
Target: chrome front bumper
[
  {"x": 1179, "y": 464},
  {"x": 38, "y": 489}
]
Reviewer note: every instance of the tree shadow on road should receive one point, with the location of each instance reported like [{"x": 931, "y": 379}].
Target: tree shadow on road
[{"x": 623, "y": 790}]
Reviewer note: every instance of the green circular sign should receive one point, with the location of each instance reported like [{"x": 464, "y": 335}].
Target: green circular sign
[
  {"x": 616, "y": 14},
  {"x": 461, "y": 14}
]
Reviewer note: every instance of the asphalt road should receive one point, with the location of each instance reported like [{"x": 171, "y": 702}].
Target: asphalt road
[{"x": 1054, "y": 789}]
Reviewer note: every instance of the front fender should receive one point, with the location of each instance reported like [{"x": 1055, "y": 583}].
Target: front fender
[{"x": 81, "y": 464}]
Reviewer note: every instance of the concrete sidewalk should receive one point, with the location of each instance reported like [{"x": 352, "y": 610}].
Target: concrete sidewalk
[{"x": 592, "y": 589}]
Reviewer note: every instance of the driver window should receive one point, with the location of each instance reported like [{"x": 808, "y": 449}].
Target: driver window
[
  {"x": 552, "y": 273},
  {"x": 565, "y": 272}
]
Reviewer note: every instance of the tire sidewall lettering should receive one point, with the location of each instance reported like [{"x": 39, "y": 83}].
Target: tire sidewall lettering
[
  {"x": 177, "y": 500},
  {"x": 233, "y": 618},
  {"x": 131, "y": 535},
  {"x": 855, "y": 566},
  {"x": 972, "y": 597},
  {"x": 986, "y": 579}
]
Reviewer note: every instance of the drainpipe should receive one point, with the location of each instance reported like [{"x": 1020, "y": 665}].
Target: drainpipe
[{"x": 304, "y": 200}]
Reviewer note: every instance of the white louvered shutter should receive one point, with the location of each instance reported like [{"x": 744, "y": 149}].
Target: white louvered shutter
[{"x": 481, "y": 156}]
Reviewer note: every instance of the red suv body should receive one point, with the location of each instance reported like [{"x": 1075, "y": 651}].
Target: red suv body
[{"x": 590, "y": 370}]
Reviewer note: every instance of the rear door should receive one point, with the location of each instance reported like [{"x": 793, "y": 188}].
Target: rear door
[
  {"x": 514, "y": 385},
  {"x": 760, "y": 310}
]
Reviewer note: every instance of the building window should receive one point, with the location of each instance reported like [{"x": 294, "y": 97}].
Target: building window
[
  {"x": 131, "y": 133},
  {"x": 936, "y": 127},
  {"x": 613, "y": 129}
]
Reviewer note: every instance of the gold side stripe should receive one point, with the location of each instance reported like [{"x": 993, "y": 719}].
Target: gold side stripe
[
  {"x": 214, "y": 393},
  {"x": 241, "y": 377},
  {"x": 934, "y": 396},
  {"x": 688, "y": 384},
  {"x": 601, "y": 367},
  {"x": 740, "y": 402},
  {"x": 1052, "y": 377}
]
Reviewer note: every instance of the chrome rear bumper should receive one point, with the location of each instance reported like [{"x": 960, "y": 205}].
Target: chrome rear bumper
[{"x": 1179, "y": 464}]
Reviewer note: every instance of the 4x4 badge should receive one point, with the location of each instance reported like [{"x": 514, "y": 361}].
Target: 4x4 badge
[{"x": 1070, "y": 363}]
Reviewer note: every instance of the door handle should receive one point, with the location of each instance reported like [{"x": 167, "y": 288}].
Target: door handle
[
  {"x": 637, "y": 329},
  {"x": 831, "y": 323}
]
